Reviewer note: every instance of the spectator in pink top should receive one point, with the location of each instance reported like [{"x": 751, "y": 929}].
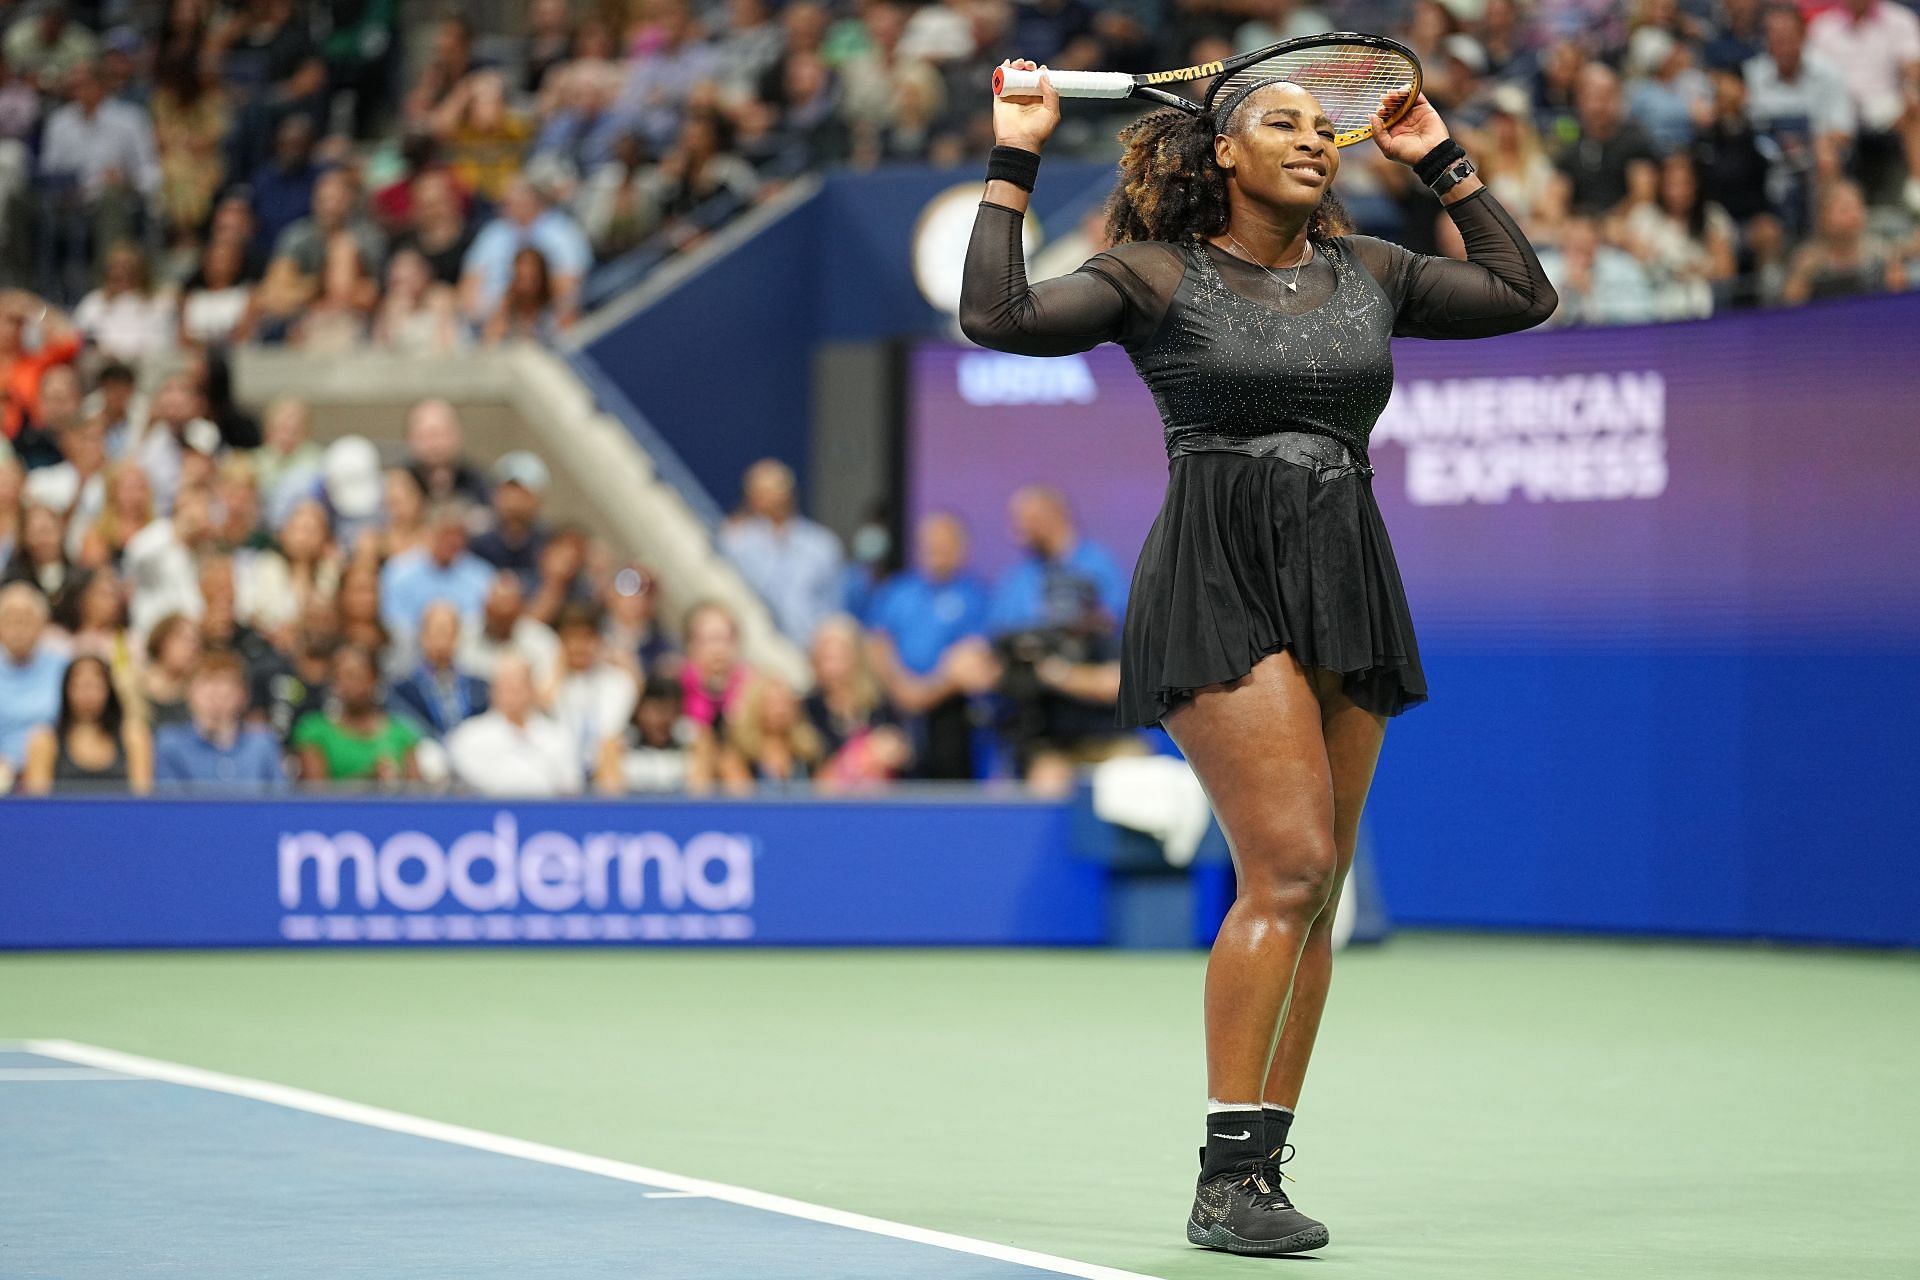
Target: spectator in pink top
[{"x": 713, "y": 677}]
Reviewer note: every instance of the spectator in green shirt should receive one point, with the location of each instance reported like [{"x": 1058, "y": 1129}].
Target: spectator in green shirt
[{"x": 354, "y": 739}]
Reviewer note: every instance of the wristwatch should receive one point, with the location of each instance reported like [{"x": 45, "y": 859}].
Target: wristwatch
[{"x": 1454, "y": 174}]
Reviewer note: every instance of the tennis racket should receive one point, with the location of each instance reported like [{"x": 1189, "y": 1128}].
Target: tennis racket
[{"x": 1347, "y": 71}]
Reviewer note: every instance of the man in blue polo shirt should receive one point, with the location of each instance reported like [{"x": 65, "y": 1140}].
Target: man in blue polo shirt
[
  {"x": 440, "y": 569},
  {"x": 794, "y": 563},
  {"x": 213, "y": 751},
  {"x": 527, "y": 220},
  {"x": 1062, "y": 580},
  {"x": 918, "y": 615},
  {"x": 1055, "y": 619},
  {"x": 30, "y": 673}
]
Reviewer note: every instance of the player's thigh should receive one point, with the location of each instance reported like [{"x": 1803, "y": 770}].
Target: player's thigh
[
  {"x": 1255, "y": 744},
  {"x": 1353, "y": 736}
]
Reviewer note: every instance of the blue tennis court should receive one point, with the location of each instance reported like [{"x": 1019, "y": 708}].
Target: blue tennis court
[{"x": 129, "y": 1167}]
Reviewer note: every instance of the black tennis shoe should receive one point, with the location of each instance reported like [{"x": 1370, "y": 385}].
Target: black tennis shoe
[{"x": 1247, "y": 1211}]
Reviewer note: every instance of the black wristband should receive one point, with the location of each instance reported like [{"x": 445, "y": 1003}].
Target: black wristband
[
  {"x": 1013, "y": 164},
  {"x": 1430, "y": 166}
]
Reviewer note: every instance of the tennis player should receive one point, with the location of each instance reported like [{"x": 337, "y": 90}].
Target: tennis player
[{"x": 1267, "y": 628}]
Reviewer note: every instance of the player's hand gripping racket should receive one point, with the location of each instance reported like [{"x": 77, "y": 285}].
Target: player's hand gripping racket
[{"x": 1347, "y": 71}]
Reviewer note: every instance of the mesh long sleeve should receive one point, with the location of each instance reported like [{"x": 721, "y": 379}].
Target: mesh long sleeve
[
  {"x": 1107, "y": 300},
  {"x": 1500, "y": 288}
]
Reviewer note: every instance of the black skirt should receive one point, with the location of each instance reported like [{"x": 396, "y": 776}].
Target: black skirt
[{"x": 1255, "y": 552}]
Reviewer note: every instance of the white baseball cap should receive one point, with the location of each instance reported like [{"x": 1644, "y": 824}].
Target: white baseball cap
[
  {"x": 201, "y": 436},
  {"x": 351, "y": 474},
  {"x": 524, "y": 468}
]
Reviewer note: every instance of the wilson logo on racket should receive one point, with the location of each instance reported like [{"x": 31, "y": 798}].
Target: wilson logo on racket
[{"x": 1200, "y": 72}]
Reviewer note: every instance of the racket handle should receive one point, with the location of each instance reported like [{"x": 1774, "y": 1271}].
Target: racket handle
[{"x": 1068, "y": 84}]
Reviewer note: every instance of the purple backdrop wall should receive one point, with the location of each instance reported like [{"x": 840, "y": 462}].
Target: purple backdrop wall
[
  {"x": 1666, "y": 591},
  {"x": 1750, "y": 480}
]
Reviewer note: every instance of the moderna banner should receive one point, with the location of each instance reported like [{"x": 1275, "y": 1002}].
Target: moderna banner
[{"x": 104, "y": 872}]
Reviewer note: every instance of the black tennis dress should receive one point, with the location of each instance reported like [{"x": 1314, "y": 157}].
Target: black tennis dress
[{"x": 1269, "y": 537}]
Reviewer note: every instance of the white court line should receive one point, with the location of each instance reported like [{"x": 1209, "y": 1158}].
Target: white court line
[
  {"x": 43, "y": 1075},
  {"x": 671, "y": 1195},
  {"x": 321, "y": 1104}
]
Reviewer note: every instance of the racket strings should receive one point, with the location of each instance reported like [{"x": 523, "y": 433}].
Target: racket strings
[{"x": 1347, "y": 80}]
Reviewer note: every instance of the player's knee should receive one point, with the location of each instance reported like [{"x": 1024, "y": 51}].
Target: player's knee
[
  {"x": 1290, "y": 874},
  {"x": 1321, "y": 931}
]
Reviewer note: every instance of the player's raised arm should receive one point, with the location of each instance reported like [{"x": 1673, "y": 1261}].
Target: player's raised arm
[
  {"x": 998, "y": 308},
  {"x": 1500, "y": 288}
]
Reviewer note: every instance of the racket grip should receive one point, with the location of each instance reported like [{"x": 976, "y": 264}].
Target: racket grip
[{"x": 1068, "y": 84}]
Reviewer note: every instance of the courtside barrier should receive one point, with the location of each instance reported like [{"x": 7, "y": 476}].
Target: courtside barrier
[
  {"x": 205, "y": 873},
  {"x": 906, "y": 869}
]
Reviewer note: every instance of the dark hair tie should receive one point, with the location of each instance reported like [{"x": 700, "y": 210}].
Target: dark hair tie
[{"x": 1223, "y": 114}]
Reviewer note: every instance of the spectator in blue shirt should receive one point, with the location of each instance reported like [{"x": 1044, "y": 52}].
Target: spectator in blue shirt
[
  {"x": 1055, "y": 618},
  {"x": 213, "y": 751},
  {"x": 922, "y": 611},
  {"x": 526, "y": 219},
  {"x": 795, "y": 564},
  {"x": 440, "y": 569},
  {"x": 918, "y": 616},
  {"x": 99, "y": 170},
  {"x": 30, "y": 674},
  {"x": 1666, "y": 92},
  {"x": 1736, "y": 36},
  {"x": 99, "y": 143},
  {"x": 1063, "y": 580},
  {"x": 437, "y": 693},
  {"x": 282, "y": 188},
  {"x": 870, "y": 558},
  {"x": 654, "y": 98},
  {"x": 518, "y": 535}
]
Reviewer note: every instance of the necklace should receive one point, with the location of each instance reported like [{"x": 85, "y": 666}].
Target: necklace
[{"x": 1293, "y": 285}]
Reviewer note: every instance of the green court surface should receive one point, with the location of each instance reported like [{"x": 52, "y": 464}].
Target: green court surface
[{"x": 1484, "y": 1108}]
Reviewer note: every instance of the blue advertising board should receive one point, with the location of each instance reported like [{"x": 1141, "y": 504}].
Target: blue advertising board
[
  {"x": 101, "y": 873},
  {"x": 913, "y": 870}
]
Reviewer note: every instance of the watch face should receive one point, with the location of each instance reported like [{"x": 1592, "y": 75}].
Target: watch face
[{"x": 1451, "y": 176}]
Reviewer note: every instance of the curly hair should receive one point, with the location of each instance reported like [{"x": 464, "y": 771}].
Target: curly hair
[{"x": 1172, "y": 188}]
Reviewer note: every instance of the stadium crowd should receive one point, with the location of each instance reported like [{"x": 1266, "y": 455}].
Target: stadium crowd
[
  {"x": 176, "y": 610},
  {"x": 1670, "y": 158},
  {"x": 177, "y": 613},
  {"x": 365, "y": 172}
]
